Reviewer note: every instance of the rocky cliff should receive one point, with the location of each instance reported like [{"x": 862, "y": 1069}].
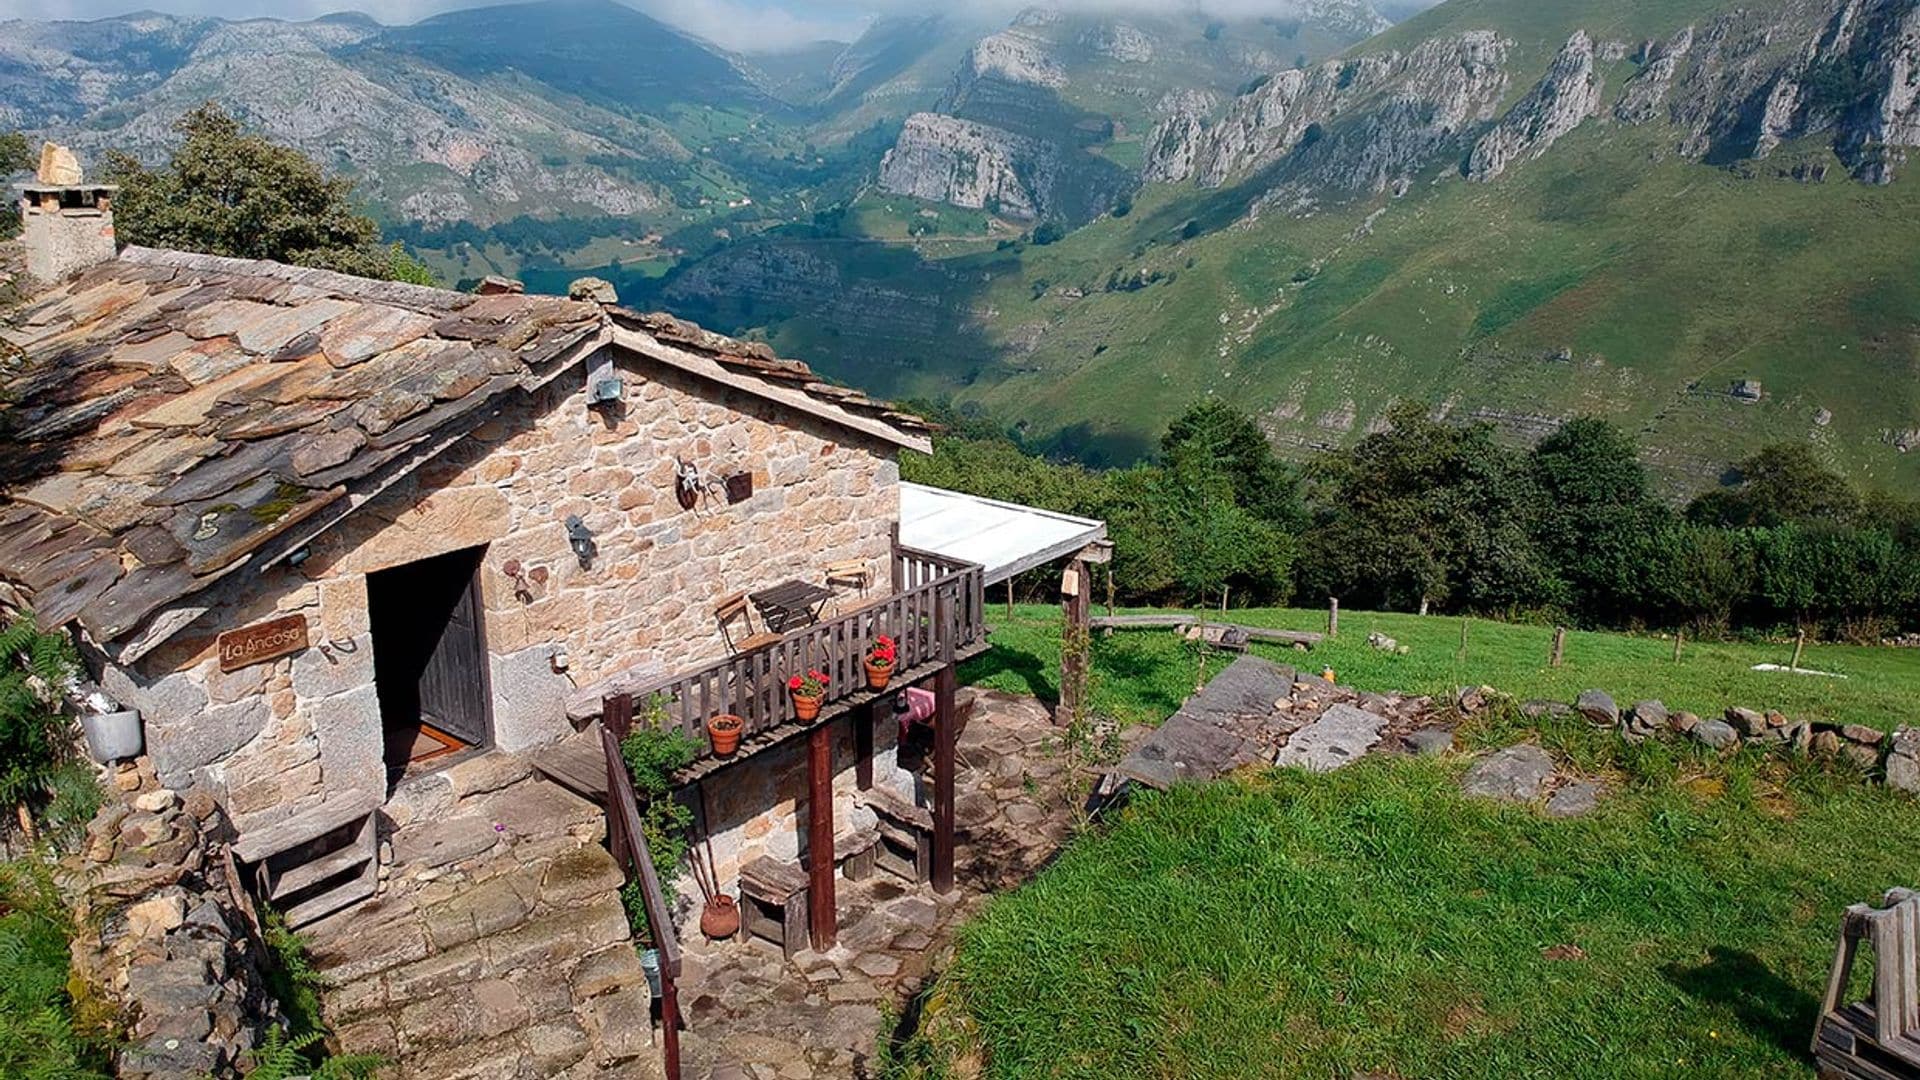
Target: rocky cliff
[
  {"x": 946, "y": 159},
  {"x": 1736, "y": 86}
]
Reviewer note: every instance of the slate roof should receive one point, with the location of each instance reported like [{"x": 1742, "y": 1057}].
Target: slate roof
[{"x": 170, "y": 417}]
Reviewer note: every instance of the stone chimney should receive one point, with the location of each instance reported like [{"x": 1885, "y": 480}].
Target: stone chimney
[{"x": 66, "y": 223}]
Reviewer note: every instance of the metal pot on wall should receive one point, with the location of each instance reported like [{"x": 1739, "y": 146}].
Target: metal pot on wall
[{"x": 113, "y": 736}]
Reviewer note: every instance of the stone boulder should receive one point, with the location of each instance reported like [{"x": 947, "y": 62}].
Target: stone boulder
[
  {"x": 1539, "y": 709},
  {"x": 1749, "y": 723},
  {"x": 1515, "y": 774},
  {"x": 1575, "y": 799},
  {"x": 1430, "y": 742},
  {"x": 1717, "y": 734},
  {"x": 1598, "y": 707},
  {"x": 1903, "y": 761}
]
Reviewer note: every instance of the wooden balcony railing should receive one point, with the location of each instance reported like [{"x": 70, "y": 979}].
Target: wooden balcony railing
[
  {"x": 629, "y": 846},
  {"x": 936, "y": 612}
]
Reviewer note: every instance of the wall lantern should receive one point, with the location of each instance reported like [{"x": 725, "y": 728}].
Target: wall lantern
[{"x": 580, "y": 538}]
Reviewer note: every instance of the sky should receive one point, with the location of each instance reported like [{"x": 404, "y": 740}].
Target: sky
[{"x": 744, "y": 25}]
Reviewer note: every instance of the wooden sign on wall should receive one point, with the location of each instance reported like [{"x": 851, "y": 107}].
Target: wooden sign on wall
[{"x": 262, "y": 642}]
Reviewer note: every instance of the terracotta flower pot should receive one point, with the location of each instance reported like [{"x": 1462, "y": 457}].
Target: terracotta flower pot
[
  {"x": 878, "y": 675},
  {"x": 720, "y": 919},
  {"x": 724, "y": 730},
  {"x": 806, "y": 708}
]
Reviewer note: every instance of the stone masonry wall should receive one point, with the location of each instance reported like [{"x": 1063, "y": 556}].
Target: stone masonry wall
[{"x": 273, "y": 738}]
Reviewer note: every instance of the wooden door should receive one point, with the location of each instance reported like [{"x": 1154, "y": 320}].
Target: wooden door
[{"x": 453, "y": 684}]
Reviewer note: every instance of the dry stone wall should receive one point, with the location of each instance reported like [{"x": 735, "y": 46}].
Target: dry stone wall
[
  {"x": 273, "y": 738},
  {"x": 164, "y": 938}
]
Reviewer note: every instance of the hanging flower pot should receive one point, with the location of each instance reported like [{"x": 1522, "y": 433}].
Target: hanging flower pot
[
  {"x": 808, "y": 692},
  {"x": 113, "y": 736},
  {"x": 724, "y": 730},
  {"x": 720, "y": 919},
  {"x": 880, "y": 658}
]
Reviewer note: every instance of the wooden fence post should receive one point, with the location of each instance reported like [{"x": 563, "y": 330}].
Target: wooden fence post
[
  {"x": 1679, "y": 636},
  {"x": 1559, "y": 646},
  {"x": 1799, "y": 646},
  {"x": 1333, "y": 616}
]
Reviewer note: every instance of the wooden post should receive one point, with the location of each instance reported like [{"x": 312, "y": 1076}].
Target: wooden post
[
  {"x": 1799, "y": 646},
  {"x": 821, "y": 914},
  {"x": 1678, "y": 637},
  {"x": 863, "y": 743},
  {"x": 943, "y": 765},
  {"x": 616, "y": 714},
  {"x": 1076, "y": 622},
  {"x": 1224, "y": 590},
  {"x": 1423, "y": 606},
  {"x": 1559, "y": 647},
  {"x": 1109, "y": 594},
  {"x": 670, "y": 1023},
  {"x": 1463, "y": 637},
  {"x": 1333, "y": 616},
  {"x": 896, "y": 571}
]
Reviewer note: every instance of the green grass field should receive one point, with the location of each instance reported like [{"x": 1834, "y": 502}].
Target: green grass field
[
  {"x": 1374, "y": 922},
  {"x": 1141, "y": 676}
]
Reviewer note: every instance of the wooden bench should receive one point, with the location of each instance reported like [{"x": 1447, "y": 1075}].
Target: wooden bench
[
  {"x": 773, "y": 904},
  {"x": 1878, "y": 1039}
]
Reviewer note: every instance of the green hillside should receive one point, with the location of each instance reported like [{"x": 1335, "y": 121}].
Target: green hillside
[{"x": 1611, "y": 275}]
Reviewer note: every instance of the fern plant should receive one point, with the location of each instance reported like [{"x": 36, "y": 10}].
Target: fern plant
[
  {"x": 281, "y": 1057},
  {"x": 35, "y": 736}
]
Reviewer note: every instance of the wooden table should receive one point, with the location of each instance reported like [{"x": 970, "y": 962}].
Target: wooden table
[{"x": 790, "y": 604}]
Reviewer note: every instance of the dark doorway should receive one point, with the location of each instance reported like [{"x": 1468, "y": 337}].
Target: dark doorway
[{"x": 430, "y": 659}]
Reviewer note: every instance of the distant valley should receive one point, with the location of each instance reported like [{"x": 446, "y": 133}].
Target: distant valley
[{"x": 1693, "y": 216}]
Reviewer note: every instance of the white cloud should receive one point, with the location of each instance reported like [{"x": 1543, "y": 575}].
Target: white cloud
[{"x": 746, "y": 25}]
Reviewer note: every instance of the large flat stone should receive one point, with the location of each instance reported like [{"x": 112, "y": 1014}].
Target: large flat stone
[
  {"x": 1341, "y": 736},
  {"x": 183, "y": 745},
  {"x": 424, "y": 845},
  {"x": 1514, "y": 774}
]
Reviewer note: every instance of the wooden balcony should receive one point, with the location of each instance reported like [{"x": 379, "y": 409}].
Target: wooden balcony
[{"x": 935, "y": 614}]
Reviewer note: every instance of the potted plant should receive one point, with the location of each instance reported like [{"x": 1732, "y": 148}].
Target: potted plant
[
  {"x": 880, "y": 657},
  {"x": 724, "y": 731},
  {"x": 808, "y": 692}
]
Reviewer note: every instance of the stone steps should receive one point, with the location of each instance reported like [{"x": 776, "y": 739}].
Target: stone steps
[{"x": 496, "y": 954}]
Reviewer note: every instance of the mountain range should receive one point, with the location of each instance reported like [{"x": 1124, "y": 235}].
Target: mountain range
[{"x": 1692, "y": 216}]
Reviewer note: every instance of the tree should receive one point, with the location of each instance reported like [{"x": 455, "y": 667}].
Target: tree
[
  {"x": 1594, "y": 516},
  {"x": 1222, "y": 439},
  {"x": 228, "y": 192},
  {"x": 1426, "y": 511},
  {"x": 1782, "y": 483},
  {"x": 16, "y": 155}
]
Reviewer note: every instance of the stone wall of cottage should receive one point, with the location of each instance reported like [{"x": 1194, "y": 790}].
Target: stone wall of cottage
[{"x": 275, "y": 737}]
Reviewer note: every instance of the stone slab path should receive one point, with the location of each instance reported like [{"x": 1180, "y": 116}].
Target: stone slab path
[
  {"x": 753, "y": 1015},
  {"x": 497, "y": 948}
]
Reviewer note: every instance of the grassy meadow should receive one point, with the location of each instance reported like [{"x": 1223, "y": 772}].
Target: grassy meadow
[
  {"x": 1141, "y": 676},
  {"x": 1374, "y": 922}
]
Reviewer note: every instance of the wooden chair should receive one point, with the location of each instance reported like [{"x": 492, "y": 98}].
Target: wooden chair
[
  {"x": 734, "y": 609},
  {"x": 849, "y": 574},
  {"x": 1878, "y": 1039}
]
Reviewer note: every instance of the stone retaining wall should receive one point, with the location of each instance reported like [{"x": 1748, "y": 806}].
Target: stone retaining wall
[{"x": 165, "y": 937}]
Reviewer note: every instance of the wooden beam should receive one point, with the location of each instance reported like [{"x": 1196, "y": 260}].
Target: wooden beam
[
  {"x": 863, "y": 744},
  {"x": 1174, "y": 622},
  {"x": 943, "y": 770},
  {"x": 821, "y": 910}
]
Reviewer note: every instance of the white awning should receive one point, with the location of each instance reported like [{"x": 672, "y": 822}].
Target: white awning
[{"x": 1006, "y": 538}]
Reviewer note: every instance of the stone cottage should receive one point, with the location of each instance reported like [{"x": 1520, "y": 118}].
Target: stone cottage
[{"x": 327, "y": 534}]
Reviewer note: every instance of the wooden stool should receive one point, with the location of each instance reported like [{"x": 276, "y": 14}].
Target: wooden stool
[
  {"x": 854, "y": 852},
  {"x": 1878, "y": 1039},
  {"x": 773, "y": 904},
  {"x": 906, "y": 836}
]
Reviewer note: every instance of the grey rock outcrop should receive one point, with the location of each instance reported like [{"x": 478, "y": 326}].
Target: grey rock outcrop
[
  {"x": 1575, "y": 799},
  {"x": 1426, "y": 97},
  {"x": 946, "y": 159},
  {"x": 1341, "y": 736},
  {"x": 1562, "y": 101},
  {"x": 1645, "y": 96}
]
